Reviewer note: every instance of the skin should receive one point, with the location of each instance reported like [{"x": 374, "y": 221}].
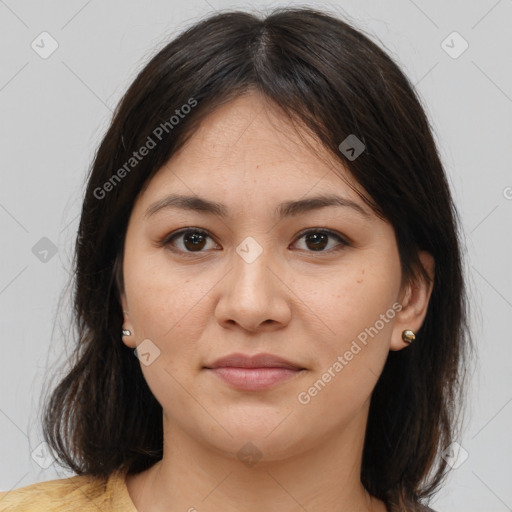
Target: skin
[{"x": 304, "y": 305}]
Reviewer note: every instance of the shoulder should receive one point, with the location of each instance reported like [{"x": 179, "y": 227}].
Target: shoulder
[{"x": 82, "y": 492}]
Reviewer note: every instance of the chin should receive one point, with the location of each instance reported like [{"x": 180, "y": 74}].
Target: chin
[{"x": 257, "y": 441}]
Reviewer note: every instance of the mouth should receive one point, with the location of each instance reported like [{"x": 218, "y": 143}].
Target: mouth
[
  {"x": 254, "y": 373},
  {"x": 254, "y": 379}
]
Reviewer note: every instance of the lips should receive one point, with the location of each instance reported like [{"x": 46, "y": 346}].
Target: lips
[
  {"x": 254, "y": 373},
  {"x": 239, "y": 360}
]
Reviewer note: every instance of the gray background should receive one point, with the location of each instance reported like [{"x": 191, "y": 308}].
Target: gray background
[{"x": 55, "y": 110}]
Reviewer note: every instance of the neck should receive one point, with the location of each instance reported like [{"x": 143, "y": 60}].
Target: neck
[{"x": 193, "y": 477}]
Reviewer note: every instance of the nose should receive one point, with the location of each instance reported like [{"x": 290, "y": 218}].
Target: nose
[{"x": 254, "y": 295}]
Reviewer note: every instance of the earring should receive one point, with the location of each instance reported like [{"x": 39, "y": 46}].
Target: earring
[
  {"x": 126, "y": 332},
  {"x": 408, "y": 336}
]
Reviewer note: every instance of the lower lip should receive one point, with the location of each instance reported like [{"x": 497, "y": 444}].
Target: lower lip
[{"x": 253, "y": 379}]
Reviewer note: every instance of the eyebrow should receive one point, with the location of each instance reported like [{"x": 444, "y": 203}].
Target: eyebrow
[{"x": 285, "y": 209}]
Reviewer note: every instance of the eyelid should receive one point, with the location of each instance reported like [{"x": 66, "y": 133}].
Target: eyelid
[
  {"x": 166, "y": 241},
  {"x": 344, "y": 241}
]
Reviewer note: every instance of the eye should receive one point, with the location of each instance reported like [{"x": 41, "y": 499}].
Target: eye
[
  {"x": 317, "y": 239},
  {"x": 192, "y": 240}
]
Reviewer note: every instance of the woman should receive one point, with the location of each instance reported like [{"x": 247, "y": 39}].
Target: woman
[{"x": 268, "y": 228}]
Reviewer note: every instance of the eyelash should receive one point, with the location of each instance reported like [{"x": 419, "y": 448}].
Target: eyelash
[{"x": 167, "y": 241}]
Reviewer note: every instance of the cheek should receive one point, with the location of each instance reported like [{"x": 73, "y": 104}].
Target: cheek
[
  {"x": 350, "y": 359},
  {"x": 171, "y": 307},
  {"x": 353, "y": 299},
  {"x": 356, "y": 316},
  {"x": 165, "y": 306},
  {"x": 162, "y": 295}
]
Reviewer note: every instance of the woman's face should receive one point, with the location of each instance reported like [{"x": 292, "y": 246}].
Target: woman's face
[{"x": 252, "y": 281}]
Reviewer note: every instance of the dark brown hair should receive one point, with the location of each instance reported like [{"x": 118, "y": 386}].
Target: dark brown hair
[{"x": 332, "y": 80}]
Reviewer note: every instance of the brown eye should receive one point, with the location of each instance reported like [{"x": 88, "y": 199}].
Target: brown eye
[
  {"x": 190, "y": 240},
  {"x": 193, "y": 241},
  {"x": 316, "y": 240}
]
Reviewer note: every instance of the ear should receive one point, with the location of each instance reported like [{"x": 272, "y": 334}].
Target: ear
[
  {"x": 129, "y": 341},
  {"x": 414, "y": 298}
]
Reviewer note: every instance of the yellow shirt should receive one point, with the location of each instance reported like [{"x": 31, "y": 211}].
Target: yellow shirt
[{"x": 77, "y": 493}]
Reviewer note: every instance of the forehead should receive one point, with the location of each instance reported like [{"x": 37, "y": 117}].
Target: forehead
[
  {"x": 249, "y": 146},
  {"x": 252, "y": 128}
]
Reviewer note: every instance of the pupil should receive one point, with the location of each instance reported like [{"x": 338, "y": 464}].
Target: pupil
[
  {"x": 195, "y": 239},
  {"x": 317, "y": 238}
]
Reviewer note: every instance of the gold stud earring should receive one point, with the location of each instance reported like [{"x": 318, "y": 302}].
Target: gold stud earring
[{"x": 408, "y": 336}]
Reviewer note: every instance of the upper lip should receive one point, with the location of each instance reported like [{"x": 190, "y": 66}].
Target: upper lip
[{"x": 256, "y": 361}]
